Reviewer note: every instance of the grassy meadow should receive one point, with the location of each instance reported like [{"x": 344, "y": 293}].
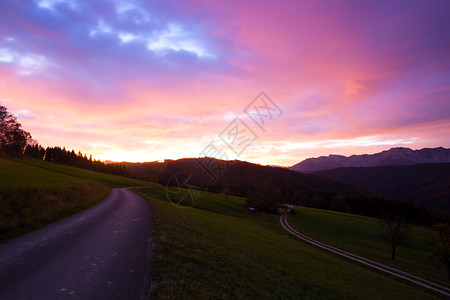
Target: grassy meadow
[
  {"x": 35, "y": 193},
  {"x": 363, "y": 236},
  {"x": 220, "y": 250}
]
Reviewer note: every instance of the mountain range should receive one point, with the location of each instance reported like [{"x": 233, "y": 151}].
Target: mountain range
[
  {"x": 392, "y": 157},
  {"x": 420, "y": 176}
]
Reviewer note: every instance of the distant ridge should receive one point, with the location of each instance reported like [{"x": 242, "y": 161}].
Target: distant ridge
[
  {"x": 427, "y": 184},
  {"x": 240, "y": 175},
  {"x": 392, "y": 157}
]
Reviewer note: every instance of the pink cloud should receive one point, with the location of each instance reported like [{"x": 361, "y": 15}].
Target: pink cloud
[{"x": 350, "y": 77}]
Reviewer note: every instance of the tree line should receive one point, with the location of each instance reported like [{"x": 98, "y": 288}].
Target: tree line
[
  {"x": 267, "y": 196},
  {"x": 62, "y": 156},
  {"x": 375, "y": 207},
  {"x": 16, "y": 142}
]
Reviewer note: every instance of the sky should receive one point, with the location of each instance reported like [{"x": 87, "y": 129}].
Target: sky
[{"x": 271, "y": 82}]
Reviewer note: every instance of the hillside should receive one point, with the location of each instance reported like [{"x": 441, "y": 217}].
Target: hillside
[
  {"x": 363, "y": 236},
  {"x": 238, "y": 175},
  {"x": 237, "y": 254},
  {"x": 391, "y": 157},
  {"x": 34, "y": 193},
  {"x": 24, "y": 173},
  {"x": 427, "y": 184}
]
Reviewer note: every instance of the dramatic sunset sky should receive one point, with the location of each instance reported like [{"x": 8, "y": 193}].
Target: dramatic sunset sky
[{"x": 155, "y": 79}]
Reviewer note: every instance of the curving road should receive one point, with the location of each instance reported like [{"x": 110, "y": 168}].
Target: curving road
[
  {"x": 382, "y": 267},
  {"x": 100, "y": 253}
]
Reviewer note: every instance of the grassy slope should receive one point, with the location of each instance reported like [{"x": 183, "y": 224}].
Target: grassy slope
[
  {"x": 220, "y": 250},
  {"x": 102, "y": 178},
  {"x": 363, "y": 236},
  {"x": 35, "y": 193}
]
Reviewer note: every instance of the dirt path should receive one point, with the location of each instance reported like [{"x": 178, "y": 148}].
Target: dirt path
[{"x": 382, "y": 267}]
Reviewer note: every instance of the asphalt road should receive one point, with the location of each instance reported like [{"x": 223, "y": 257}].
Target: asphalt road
[
  {"x": 376, "y": 265},
  {"x": 100, "y": 253}
]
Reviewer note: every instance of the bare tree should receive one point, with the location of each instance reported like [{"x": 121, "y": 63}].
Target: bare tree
[
  {"x": 442, "y": 247},
  {"x": 396, "y": 232}
]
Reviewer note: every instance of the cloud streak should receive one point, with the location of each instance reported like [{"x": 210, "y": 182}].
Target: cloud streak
[{"x": 161, "y": 79}]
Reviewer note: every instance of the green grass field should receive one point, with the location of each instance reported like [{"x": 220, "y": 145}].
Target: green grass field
[
  {"x": 37, "y": 173},
  {"x": 35, "y": 193},
  {"x": 363, "y": 236},
  {"x": 220, "y": 250}
]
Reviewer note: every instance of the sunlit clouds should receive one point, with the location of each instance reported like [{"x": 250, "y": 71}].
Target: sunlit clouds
[
  {"x": 149, "y": 80},
  {"x": 25, "y": 63}
]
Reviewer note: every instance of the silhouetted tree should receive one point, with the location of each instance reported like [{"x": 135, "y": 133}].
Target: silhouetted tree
[
  {"x": 13, "y": 139},
  {"x": 34, "y": 150},
  {"x": 442, "y": 247},
  {"x": 396, "y": 232}
]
